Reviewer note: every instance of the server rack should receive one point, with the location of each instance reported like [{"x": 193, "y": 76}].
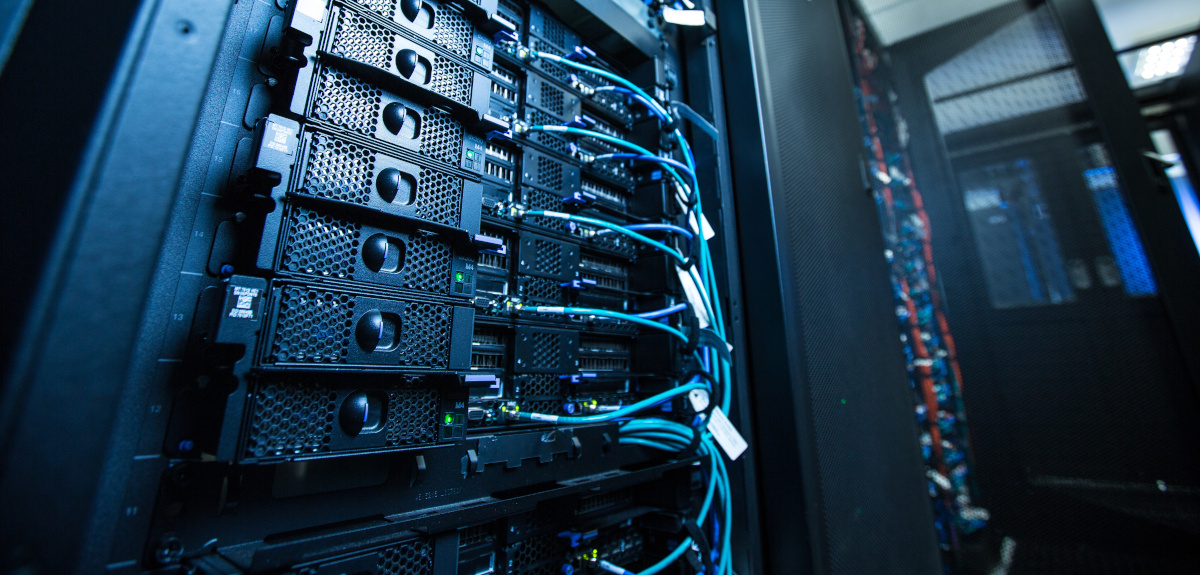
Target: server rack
[
  {"x": 376, "y": 282},
  {"x": 353, "y": 233}
]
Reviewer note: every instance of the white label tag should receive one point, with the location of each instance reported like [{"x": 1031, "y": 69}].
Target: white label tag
[
  {"x": 699, "y": 399},
  {"x": 314, "y": 9},
  {"x": 693, "y": 297},
  {"x": 726, "y": 434}
]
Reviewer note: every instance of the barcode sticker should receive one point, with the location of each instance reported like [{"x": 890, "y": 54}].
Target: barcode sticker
[{"x": 726, "y": 434}]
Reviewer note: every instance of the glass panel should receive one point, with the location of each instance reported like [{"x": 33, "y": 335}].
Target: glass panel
[{"x": 1015, "y": 236}]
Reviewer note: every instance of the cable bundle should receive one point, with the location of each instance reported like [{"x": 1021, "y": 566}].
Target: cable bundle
[{"x": 715, "y": 375}]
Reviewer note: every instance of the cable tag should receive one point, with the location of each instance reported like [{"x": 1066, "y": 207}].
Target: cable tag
[
  {"x": 693, "y": 296},
  {"x": 699, "y": 400},
  {"x": 726, "y": 434},
  {"x": 709, "y": 232}
]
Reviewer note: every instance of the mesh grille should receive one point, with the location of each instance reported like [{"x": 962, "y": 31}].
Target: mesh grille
[
  {"x": 320, "y": 245},
  {"x": 428, "y": 265},
  {"x": 440, "y": 197},
  {"x": 362, "y": 40},
  {"x": 453, "y": 31},
  {"x": 545, "y": 349},
  {"x": 553, "y": 69},
  {"x": 427, "y": 337},
  {"x": 313, "y": 327},
  {"x": 291, "y": 420},
  {"x": 549, "y": 406},
  {"x": 545, "y": 385},
  {"x": 534, "y": 550},
  {"x": 451, "y": 80},
  {"x": 616, "y": 243},
  {"x": 413, "y": 417},
  {"x": 552, "y": 98},
  {"x": 548, "y": 257},
  {"x": 550, "y": 173},
  {"x": 411, "y": 558},
  {"x": 542, "y": 290},
  {"x": 441, "y": 137},
  {"x": 347, "y": 102},
  {"x": 554, "y": 32},
  {"x": 540, "y": 200},
  {"x": 547, "y": 139},
  {"x": 338, "y": 170},
  {"x": 386, "y": 8}
]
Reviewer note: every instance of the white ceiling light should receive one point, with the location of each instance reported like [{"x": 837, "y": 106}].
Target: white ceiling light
[{"x": 1164, "y": 60}]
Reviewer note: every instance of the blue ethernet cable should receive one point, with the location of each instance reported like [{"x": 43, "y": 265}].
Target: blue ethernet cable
[
  {"x": 666, "y": 311},
  {"x": 599, "y": 418},
  {"x": 556, "y": 309},
  {"x": 609, "y": 226},
  {"x": 610, "y": 139},
  {"x": 662, "y": 227},
  {"x": 650, "y": 431},
  {"x": 622, "y": 90},
  {"x": 691, "y": 173},
  {"x": 604, "y": 74}
]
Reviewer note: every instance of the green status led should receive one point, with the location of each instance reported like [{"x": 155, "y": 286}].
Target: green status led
[
  {"x": 470, "y": 155},
  {"x": 458, "y": 276},
  {"x": 449, "y": 418}
]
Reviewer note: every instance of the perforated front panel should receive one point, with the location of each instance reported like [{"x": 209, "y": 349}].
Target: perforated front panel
[
  {"x": 452, "y": 31},
  {"x": 412, "y": 558},
  {"x": 297, "y": 415},
  {"x": 542, "y": 385},
  {"x": 291, "y": 419},
  {"x": 441, "y": 136},
  {"x": 545, "y": 349},
  {"x": 550, "y": 173},
  {"x": 451, "y": 80},
  {"x": 338, "y": 170},
  {"x": 548, "y": 257},
  {"x": 317, "y": 327},
  {"x": 542, "y": 290},
  {"x": 362, "y": 40},
  {"x": 427, "y": 334},
  {"x": 439, "y": 196},
  {"x": 325, "y": 246},
  {"x": 385, "y": 8},
  {"x": 346, "y": 101},
  {"x": 320, "y": 245},
  {"x": 313, "y": 326}
]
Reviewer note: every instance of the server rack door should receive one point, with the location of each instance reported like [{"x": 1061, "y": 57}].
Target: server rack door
[{"x": 1066, "y": 268}]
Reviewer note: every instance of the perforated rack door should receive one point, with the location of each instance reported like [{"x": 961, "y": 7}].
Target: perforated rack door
[
  {"x": 324, "y": 246},
  {"x": 336, "y": 168},
  {"x": 342, "y": 100},
  {"x": 325, "y": 328}
]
